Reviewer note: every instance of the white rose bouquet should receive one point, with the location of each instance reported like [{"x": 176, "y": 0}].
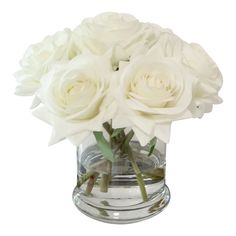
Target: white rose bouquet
[{"x": 115, "y": 75}]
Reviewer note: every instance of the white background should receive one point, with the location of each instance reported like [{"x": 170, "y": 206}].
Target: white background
[{"x": 36, "y": 181}]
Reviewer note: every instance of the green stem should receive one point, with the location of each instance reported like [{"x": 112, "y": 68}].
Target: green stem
[
  {"x": 105, "y": 178},
  {"x": 124, "y": 145},
  {"x": 119, "y": 146},
  {"x": 128, "y": 138},
  {"x": 138, "y": 175},
  {"x": 104, "y": 181},
  {"x": 108, "y": 128}
]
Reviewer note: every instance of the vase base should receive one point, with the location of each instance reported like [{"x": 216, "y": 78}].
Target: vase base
[{"x": 122, "y": 215}]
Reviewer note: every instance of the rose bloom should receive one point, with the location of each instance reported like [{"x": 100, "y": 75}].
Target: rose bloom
[
  {"x": 208, "y": 78},
  {"x": 121, "y": 33},
  {"x": 75, "y": 97},
  {"x": 152, "y": 93},
  {"x": 114, "y": 68},
  {"x": 40, "y": 57}
]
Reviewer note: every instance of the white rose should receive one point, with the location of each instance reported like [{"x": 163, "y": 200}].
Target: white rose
[
  {"x": 39, "y": 58},
  {"x": 153, "y": 92},
  {"x": 205, "y": 91},
  {"x": 197, "y": 62},
  {"x": 75, "y": 98},
  {"x": 168, "y": 45},
  {"x": 122, "y": 31}
]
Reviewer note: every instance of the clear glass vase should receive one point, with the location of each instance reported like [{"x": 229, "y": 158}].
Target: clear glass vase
[{"x": 129, "y": 189}]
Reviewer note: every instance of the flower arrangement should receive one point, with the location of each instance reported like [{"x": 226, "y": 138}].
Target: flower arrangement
[{"x": 115, "y": 77}]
